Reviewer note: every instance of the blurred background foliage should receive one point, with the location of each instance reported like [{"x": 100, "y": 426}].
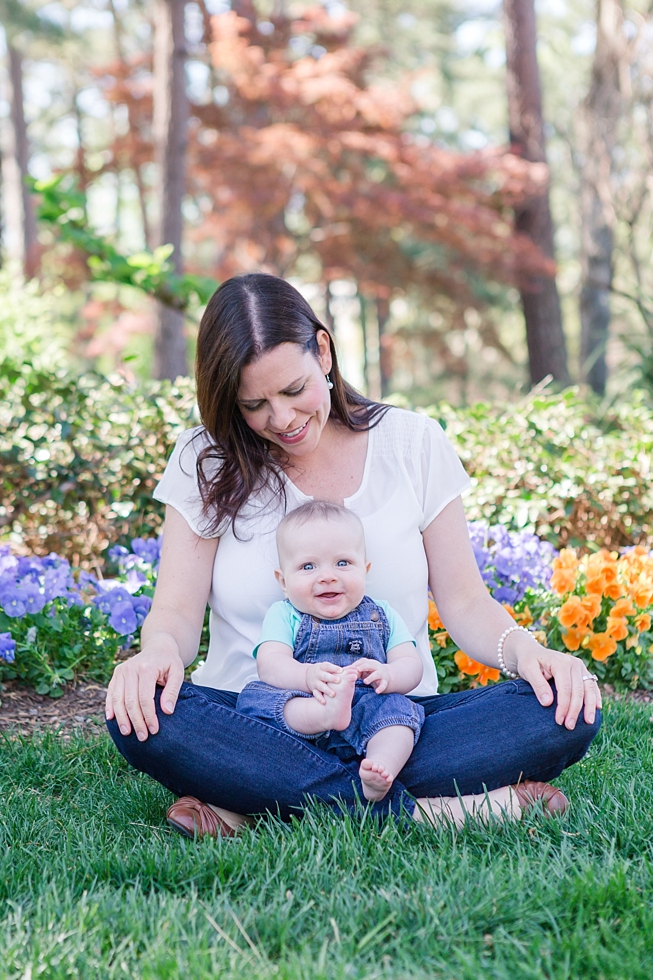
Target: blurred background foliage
[
  {"x": 370, "y": 152},
  {"x": 360, "y": 149}
]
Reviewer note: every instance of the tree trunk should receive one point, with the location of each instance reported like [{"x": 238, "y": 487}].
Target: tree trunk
[
  {"x": 170, "y": 125},
  {"x": 547, "y": 351},
  {"x": 140, "y": 185},
  {"x": 19, "y": 154},
  {"x": 601, "y": 112},
  {"x": 385, "y": 344}
]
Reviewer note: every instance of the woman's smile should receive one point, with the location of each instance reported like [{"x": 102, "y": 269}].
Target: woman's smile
[{"x": 295, "y": 435}]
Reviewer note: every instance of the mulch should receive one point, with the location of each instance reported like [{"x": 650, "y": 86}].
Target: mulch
[{"x": 81, "y": 708}]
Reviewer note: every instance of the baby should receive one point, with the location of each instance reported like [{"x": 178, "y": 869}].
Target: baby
[{"x": 334, "y": 665}]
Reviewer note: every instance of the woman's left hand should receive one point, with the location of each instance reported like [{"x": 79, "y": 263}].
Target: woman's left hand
[{"x": 575, "y": 691}]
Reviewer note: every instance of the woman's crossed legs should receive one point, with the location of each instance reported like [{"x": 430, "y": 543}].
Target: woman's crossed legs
[{"x": 472, "y": 742}]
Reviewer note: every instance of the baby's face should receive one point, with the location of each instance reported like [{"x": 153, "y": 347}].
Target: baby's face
[{"x": 323, "y": 568}]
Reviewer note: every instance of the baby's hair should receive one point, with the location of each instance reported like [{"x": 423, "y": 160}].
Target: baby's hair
[{"x": 321, "y": 510}]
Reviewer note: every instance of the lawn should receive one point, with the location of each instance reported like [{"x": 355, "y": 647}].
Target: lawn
[{"x": 94, "y": 884}]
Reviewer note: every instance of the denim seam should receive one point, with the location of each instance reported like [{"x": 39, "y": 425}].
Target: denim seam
[
  {"x": 389, "y": 722},
  {"x": 282, "y": 701}
]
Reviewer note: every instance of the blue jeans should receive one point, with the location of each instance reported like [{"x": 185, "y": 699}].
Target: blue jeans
[{"x": 471, "y": 741}]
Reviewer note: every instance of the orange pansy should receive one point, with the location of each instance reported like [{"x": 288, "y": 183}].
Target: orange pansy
[
  {"x": 441, "y": 639},
  {"x": 574, "y": 636},
  {"x": 623, "y": 607},
  {"x": 471, "y": 667},
  {"x": 594, "y": 585},
  {"x": 643, "y": 596},
  {"x": 525, "y": 617},
  {"x": 602, "y": 646},
  {"x": 563, "y": 580},
  {"x": 566, "y": 559},
  {"x": 643, "y": 622},
  {"x": 592, "y": 605},
  {"x": 617, "y": 627},
  {"x": 509, "y": 609},
  {"x": 434, "y": 621},
  {"x": 488, "y": 674},
  {"x": 613, "y": 591},
  {"x": 573, "y": 613}
]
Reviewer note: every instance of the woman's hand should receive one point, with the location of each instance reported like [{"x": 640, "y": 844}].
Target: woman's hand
[
  {"x": 538, "y": 666},
  {"x": 171, "y": 632},
  {"x": 130, "y": 696}
]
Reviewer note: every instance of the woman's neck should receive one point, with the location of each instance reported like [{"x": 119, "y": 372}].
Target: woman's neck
[{"x": 335, "y": 468}]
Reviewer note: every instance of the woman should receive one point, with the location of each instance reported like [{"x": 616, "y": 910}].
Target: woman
[{"x": 280, "y": 427}]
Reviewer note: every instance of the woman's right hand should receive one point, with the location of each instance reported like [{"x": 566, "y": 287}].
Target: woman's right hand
[{"x": 130, "y": 696}]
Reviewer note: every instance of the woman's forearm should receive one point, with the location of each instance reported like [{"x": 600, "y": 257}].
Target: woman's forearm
[
  {"x": 169, "y": 631},
  {"x": 476, "y": 626}
]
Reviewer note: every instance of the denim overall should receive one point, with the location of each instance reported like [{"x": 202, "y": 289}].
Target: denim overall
[{"x": 364, "y": 632}]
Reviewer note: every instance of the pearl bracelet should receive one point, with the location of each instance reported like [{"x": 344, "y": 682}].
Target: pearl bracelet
[{"x": 502, "y": 640}]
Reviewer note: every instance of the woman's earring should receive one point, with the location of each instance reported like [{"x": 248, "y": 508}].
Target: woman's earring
[{"x": 329, "y": 382}]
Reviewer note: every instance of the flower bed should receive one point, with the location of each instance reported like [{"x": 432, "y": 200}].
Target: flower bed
[
  {"x": 598, "y": 606},
  {"x": 58, "y": 623}
]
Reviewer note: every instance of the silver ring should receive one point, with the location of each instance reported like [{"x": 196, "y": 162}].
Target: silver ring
[{"x": 590, "y": 677}]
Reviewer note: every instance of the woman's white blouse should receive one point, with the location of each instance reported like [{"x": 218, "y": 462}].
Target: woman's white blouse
[{"x": 411, "y": 473}]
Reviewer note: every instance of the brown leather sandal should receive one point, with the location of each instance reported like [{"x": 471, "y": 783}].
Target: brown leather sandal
[
  {"x": 528, "y": 793},
  {"x": 192, "y": 818}
]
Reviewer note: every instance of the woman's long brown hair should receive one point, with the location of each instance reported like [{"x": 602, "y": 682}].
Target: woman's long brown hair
[{"x": 246, "y": 317}]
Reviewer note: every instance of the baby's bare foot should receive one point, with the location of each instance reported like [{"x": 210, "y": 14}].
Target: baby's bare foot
[
  {"x": 375, "y": 778},
  {"x": 337, "y": 710}
]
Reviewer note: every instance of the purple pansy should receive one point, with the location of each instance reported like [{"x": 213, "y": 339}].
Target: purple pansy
[
  {"x": 123, "y": 618},
  {"x": 34, "y": 598},
  {"x": 55, "y": 582},
  {"x": 110, "y": 596},
  {"x": 7, "y": 648},
  {"x": 510, "y": 562},
  {"x": 13, "y": 601}
]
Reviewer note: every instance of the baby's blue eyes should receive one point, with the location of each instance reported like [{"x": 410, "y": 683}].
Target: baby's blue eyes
[{"x": 310, "y": 566}]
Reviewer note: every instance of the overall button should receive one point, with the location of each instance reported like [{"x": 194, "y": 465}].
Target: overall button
[
  {"x": 316, "y": 620},
  {"x": 374, "y": 616}
]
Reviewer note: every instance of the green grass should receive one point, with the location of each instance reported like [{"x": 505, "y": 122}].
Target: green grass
[{"x": 93, "y": 884}]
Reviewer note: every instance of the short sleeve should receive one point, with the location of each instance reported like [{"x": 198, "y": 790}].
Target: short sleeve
[
  {"x": 399, "y": 632},
  {"x": 443, "y": 477},
  {"x": 178, "y": 486},
  {"x": 280, "y": 625}
]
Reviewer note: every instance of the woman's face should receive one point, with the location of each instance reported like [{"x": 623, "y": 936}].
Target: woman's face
[{"x": 283, "y": 396}]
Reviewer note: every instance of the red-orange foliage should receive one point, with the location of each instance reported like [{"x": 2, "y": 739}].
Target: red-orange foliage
[{"x": 306, "y": 157}]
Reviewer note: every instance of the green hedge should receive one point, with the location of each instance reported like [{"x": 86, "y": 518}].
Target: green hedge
[
  {"x": 79, "y": 457},
  {"x": 552, "y": 465}
]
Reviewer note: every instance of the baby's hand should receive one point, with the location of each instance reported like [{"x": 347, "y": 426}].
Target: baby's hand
[
  {"x": 374, "y": 674},
  {"x": 320, "y": 677}
]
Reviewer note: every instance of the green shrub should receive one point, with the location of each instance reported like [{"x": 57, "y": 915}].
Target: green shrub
[
  {"x": 80, "y": 457},
  {"x": 551, "y": 465}
]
